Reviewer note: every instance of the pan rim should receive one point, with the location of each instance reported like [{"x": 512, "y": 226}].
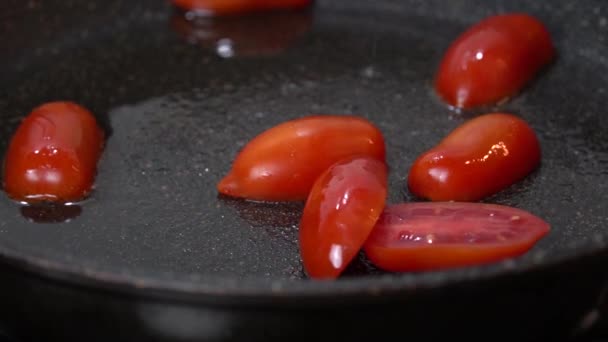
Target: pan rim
[{"x": 261, "y": 290}]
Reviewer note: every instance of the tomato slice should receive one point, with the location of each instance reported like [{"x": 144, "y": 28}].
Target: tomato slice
[
  {"x": 439, "y": 235},
  {"x": 228, "y": 7},
  {"x": 477, "y": 159},
  {"x": 283, "y": 162},
  {"x": 53, "y": 155},
  {"x": 340, "y": 212},
  {"x": 493, "y": 60}
]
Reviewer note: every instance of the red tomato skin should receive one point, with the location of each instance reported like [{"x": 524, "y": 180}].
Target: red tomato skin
[
  {"x": 283, "y": 162},
  {"x": 339, "y": 214},
  {"x": 428, "y": 236},
  {"x": 52, "y": 156},
  {"x": 230, "y": 7},
  {"x": 477, "y": 159},
  {"x": 493, "y": 60}
]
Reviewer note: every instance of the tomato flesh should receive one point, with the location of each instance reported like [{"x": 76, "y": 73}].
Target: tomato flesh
[
  {"x": 477, "y": 159},
  {"x": 439, "y": 235},
  {"x": 53, "y": 155},
  {"x": 228, "y": 7},
  {"x": 339, "y": 215},
  {"x": 282, "y": 163},
  {"x": 493, "y": 60}
]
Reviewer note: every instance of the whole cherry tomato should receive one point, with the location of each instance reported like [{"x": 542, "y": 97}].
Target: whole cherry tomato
[
  {"x": 493, "y": 60},
  {"x": 477, "y": 159},
  {"x": 282, "y": 163},
  {"x": 438, "y": 235},
  {"x": 53, "y": 154},
  {"x": 340, "y": 212},
  {"x": 227, "y": 7}
]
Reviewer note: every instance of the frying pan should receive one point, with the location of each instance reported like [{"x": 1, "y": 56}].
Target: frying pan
[{"x": 155, "y": 254}]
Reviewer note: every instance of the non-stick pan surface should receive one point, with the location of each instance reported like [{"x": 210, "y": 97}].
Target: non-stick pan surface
[{"x": 178, "y": 107}]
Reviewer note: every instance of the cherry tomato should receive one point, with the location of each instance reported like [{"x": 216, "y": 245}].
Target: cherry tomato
[
  {"x": 282, "y": 163},
  {"x": 53, "y": 155},
  {"x": 341, "y": 211},
  {"x": 479, "y": 158},
  {"x": 439, "y": 235},
  {"x": 493, "y": 60},
  {"x": 227, "y": 7}
]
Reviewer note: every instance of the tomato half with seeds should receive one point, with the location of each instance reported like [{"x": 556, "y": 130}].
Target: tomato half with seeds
[
  {"x": 428, "y": 236},
  {"x": 53, "y": 155},
  {"x": 228, "y": 7},
  {"x": 283, "y": 162},
  {"x": 339, "y": 215},
  {"x": 493, "y": 60},
  {"x": 479, "y": 158}
]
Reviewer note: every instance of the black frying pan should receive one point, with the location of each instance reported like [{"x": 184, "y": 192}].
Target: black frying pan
[{"x": 155, "y": 254}]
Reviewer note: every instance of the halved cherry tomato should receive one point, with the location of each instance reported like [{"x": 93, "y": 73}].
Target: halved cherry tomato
[
  {"x": 439, "y": 235},
  {"x": 53, "y": 154},
  {"x": 282, "y": 163},
  {"x": 227, "y": 7},
  {"x": 340, "y": 212},
  {"x": 493, "y": 60},
  {"x": 479, "y": 158}
]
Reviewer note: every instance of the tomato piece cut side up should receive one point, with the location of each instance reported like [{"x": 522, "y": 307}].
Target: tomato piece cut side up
[
  {"x": 339, "y": 214},
  {"x": 427, "y": 236},
  {"x": 283, "y": 162}
]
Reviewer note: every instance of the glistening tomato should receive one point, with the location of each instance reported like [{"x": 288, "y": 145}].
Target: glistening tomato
[
  {"x": 428, "y": 236},
  {"x": 493, "y": 60},
  {"x": 53, "y": 154},
  {"x": 340, "y": 212},
  {"x": 282, "y": 163},
  {"x": 229, "y": 7},
  {"x": 479, "y": 158}
]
